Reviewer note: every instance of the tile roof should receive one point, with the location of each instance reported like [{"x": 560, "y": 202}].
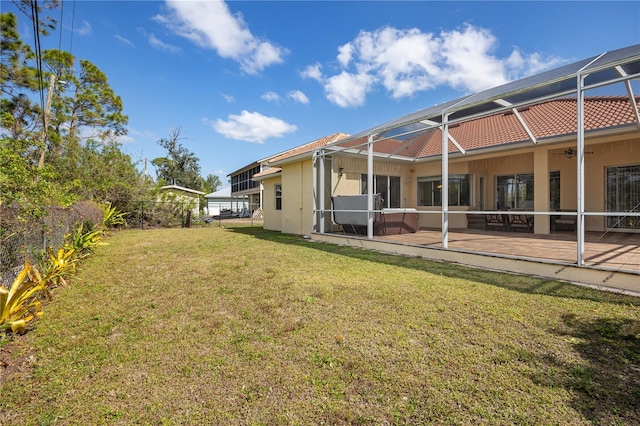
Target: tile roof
[
  {"x": 308, "y": 147},
  {"x": 267, "y": 172},
  {"x": 548, "y": 119}
]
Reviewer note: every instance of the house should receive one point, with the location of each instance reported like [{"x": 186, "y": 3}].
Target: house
[
  {"x": 186, "y": 198},
  {"x": 558, "y": 152},
  {"x": 243, "y": 186},
  {"x": 291, "y": 169},
  {"x": 223, "y": 203}
]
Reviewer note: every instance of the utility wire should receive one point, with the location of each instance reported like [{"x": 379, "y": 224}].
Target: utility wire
[
  {"x": 73, "y": 24},
  {"x": 36, "y": 37},
  {"x": 60, "y": 23}
]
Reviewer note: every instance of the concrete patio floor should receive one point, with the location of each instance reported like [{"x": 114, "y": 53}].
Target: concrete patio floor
[{"x": 611, "y": 260}]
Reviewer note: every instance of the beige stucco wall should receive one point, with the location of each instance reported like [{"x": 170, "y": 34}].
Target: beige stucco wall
[
  {"x": 349, "y": 183},
  {"x": 272, "y": 218},
  {"x": 296, "y": 216},
  {"x": 297, "y": 193}
]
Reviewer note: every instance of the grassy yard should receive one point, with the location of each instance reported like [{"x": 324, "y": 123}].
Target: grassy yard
[{"x": 239, "y": 325}]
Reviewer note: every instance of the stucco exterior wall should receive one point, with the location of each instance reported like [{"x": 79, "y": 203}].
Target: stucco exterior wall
[
  {"x": 272, "y": 218},
  {"x": 296, "y": 216},
  {"x": 297, "y": 194}
]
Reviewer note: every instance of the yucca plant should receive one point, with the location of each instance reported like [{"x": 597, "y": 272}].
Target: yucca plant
[
  {"x": 111, "y": 217},
  {"x": 23, "y": 301},
  {"x": 58, "y": 267},
  {"x": 83, "y": 242}
]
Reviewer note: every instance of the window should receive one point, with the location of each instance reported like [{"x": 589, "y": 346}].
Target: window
[
  {"x": 515, "y": 192},
  {"x": 554, "y": 191},
  {"x": 242, "y": 181},
  {"x": 623, "y": 195},
  {"x": 387, "y": 186},
  {"x": 430, "y": 190},
  {"x": 278, "y": 196}
]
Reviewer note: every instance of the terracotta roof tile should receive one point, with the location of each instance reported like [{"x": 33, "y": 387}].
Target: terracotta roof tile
[
  {"x": 309, "y": 147},
  {"x": 547, "y": 119}
]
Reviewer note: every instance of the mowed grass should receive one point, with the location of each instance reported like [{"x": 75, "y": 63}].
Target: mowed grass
[{"x": 240, "y": 325}]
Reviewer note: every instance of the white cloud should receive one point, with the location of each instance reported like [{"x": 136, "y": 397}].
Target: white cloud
[
  {"x": 345, "y": 54},
  {"x": 348, "y": 90},
  {"x": 271, "y": 97},
  {"x": 211, "y": 25},
  {"x": 83, "y": 29},
  {"x": 230, "y": 99},
  {"x": 467, "y": 60},
  {"x": 314, "y": 72},
  {"x": 251, "y": 127},
  {"x": 298, "y": 96},
  {"x": 405, "y": 62},
  {"x": 124, "y": 40},
  {"x": 160, "y": 45}
]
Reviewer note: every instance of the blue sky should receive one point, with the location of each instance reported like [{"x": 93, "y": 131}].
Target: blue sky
[{"x": 248, "y": 79}]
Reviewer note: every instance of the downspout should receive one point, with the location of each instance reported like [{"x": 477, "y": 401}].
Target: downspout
[
  {"x": 370, "y": 205},
  {"x": 317, "y": 203},
  {"x": 301, "y": 198}
]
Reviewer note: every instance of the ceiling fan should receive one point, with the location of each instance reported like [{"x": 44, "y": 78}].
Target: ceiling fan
[{"x": 570, "y": 152}]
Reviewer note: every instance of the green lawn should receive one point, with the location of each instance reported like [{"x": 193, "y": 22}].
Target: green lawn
[{"x": 239, "y": 325}]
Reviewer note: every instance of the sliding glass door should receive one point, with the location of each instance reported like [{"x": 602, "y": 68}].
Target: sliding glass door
[
  {"x": 515, "y": 192},
  {"x": 623, "y": 195}
]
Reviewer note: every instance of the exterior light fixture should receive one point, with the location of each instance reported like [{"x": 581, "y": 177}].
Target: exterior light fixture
[{"x": 340, "y": 172}]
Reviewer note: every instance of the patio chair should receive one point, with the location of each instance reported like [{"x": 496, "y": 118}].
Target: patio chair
[
  {"x": 495, "y": 220},
  {"x": 520, "y": 221}
]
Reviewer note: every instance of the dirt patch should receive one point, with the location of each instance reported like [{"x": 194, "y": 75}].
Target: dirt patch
[{"x": 15, "y": 359}]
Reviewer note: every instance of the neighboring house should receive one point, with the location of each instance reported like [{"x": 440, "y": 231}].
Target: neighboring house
[
  {"x": 244, "y": 187},
  {"x": 189, "y": 199},
  {"x": 223, "y": 202}
]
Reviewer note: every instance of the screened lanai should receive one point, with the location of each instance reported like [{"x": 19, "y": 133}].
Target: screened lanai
[{"x": 554, "y": 156}]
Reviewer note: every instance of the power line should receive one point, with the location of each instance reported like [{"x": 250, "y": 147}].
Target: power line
[
  {"x": 73, "y": 24},
  {"x": 36, "y": 37},
  {"x": 61, "y": 16}
]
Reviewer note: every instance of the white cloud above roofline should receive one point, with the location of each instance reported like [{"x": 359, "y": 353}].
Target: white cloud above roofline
[
  {"x": 405, "y": 62},
  {"x": 251, "y": 127},
  {"x": 211, "y": 25}
]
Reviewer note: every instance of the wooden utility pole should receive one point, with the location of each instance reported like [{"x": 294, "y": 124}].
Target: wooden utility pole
[{"x": 47, "y": 109}]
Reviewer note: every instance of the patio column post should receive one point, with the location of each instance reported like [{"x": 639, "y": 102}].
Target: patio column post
[
  {"x": 317, "y": 188},
  {"x": 580, "y": 167},
  {"x": 370, "y": 192},
  {"x": 541, "y": 191},
  {"x": 445, "y": 181}
]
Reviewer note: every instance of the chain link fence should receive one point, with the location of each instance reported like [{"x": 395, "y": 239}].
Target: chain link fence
[
  {"x": 27, "y": 240},
  {"x": 163, "y": 214},
  {"x": 24, "y": 239}
]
